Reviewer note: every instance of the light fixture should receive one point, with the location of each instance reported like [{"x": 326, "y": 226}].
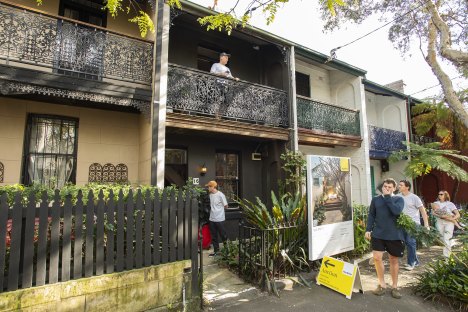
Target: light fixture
[{"x": 203, "y": 170}]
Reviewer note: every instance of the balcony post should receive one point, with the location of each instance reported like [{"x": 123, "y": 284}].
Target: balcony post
[
  {"x": 159, "y": 98},
  {"x": 294, "y": 138}
]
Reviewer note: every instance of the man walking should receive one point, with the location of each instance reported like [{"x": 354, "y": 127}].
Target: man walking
[
  {"x": 218, "y": 203},
  {"x": 384, "y": 235},
  {"x": 413, "y": 207}
]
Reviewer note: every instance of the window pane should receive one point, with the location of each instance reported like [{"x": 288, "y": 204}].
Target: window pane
[
  {"x": 176, "y": 156},
  {"x": 302, "y": 84},
  {"x": 51, "y": 154},
  {"x": 227, "y": 174}
]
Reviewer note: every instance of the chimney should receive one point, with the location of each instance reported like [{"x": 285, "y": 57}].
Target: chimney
[{"x": 398, "y": 85}]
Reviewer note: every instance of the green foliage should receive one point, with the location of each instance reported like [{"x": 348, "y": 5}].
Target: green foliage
[
  {"x": 446, "y": 279},
  {"x": 144, "y": 22},
  {"x": 319, "y": 212},
  {"x": 294, "y": 167},
  {"x": 427, "y": 237},
  {"x": 425, "y": 158},
  {"x": 114, "y": 6},
  {"x": 228, "y": 255},
  {"x": 220, "y": 22},
  {"x": 361, "y": 244}
]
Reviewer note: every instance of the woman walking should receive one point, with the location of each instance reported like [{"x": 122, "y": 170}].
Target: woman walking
[{"x": 446, "y": 215}]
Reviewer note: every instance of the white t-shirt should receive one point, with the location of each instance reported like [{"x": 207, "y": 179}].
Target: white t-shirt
[
  {"x": 412, "y": 204},
  {"x": 218, "y": 68},
  {"x": 445, "y": 208},
  {"x": 217, "y": 203}
]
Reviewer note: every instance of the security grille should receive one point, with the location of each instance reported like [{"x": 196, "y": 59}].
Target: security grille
[{"x": 50, "y": 150}]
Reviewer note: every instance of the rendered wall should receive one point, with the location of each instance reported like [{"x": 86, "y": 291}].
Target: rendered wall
[{"x": 103, "y": 137}]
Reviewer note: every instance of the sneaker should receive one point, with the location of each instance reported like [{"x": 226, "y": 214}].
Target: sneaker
[
  {"x": 396, "y": 293},
  {"x": 211, "y": 255},
  {"x": 379, "y": 291},
  {"x": 409, "y": 267}
]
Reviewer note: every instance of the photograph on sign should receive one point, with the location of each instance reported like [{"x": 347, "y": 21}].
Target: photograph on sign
[{"x": 329, "y": 206}]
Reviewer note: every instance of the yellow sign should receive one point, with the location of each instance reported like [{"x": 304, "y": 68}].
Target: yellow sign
[
  {"x": 344, "y": 164},
  {"x": 340, "y": 276}
]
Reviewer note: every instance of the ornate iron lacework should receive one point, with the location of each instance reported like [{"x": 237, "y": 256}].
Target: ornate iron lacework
[
  {"x": 421, "y": 140},
  {"x": 194, "y": 91},
  {"x": 315, "y": 115},
  {"x": 386, "y": 140},
  {"x": 2, "y": 172},
  {"x": 29, "y": 37},
  {"x": 108, "y": 173},
  {"x": 95, "y": 173},
  {"x": 23, "y": 88}
]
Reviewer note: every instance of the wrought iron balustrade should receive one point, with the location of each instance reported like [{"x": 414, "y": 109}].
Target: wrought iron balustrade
[
  {"x": 194, "y": 91},
  {"x": 420, "y": 139},
  {"x": 72, "y": 48},
  {"x": 315, "y": 115},
  {"x": 385, "y": 141}
]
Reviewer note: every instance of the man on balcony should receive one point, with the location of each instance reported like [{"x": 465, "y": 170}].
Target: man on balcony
[
  {"x": 413, "y": 206},
  {"x": 220, "y": 68}
]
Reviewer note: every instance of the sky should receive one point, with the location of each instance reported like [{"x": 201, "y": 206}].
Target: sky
[{"x": 299, "y": 21}]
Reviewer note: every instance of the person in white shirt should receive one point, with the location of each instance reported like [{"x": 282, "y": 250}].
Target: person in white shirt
[
  {"x": 445, "y": 212},
  {"x": 413, "y": 208},
  {"x": 220, "y": 68},
  {"x": 218, "y": 203}
]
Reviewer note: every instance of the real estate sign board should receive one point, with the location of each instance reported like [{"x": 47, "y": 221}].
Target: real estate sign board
[{"x": 329, "y": 206}]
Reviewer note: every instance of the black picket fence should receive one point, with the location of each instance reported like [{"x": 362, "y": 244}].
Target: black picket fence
[{"x": 48, "y": 241}]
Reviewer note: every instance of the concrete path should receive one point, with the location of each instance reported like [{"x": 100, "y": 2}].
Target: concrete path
[{"x": 224, "y": 291}]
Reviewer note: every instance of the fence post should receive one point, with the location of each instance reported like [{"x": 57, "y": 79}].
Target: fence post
[
  {"x": 89, "y": 241},
  {"x": 100, "y": 235},
  {"x": 28, "y": 242},
  {"x": 194, "y": 231},
  {"x": 156, "y": 229},
  {"x": 3, "y": 231},
  {"x": 138, "y": 231},
  {"x": 130, "y": 229},
  {"x": 120, "y": 233},
  {"x": 15, "y": 247},
  {"x": 110, "y": 233},
  {"x": 66, "y": 241}
]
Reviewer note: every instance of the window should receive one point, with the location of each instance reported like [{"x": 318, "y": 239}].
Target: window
[
  {"x": 50, "y": 150},
  {"x": 206, "y": 57},
  {"x": 227, "y": 174},
  {"x": 302, "y": 84},
  {"x": 87, "y": 11},
  {"x": 175, "y": 170}
]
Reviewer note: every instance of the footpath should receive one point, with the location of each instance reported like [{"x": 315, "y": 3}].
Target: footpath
[{"x": 225, "y": 291}]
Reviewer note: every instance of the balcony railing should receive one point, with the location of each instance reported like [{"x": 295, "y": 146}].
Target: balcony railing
[
  {"x": 195, "y": 91},
  {"x": 420, "y": 140},
  {"x": 384, "y": 141},
  {"x": 71, "y": 48},
  {"x": 315, "y": 115}
]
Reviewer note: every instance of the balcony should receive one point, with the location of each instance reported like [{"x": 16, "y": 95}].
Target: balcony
[
  {"x": 385, "y": 141},
  {"x": 67, "y": 47},
  {"x": 195, "y": 92},
  {"x": 421, "y": 140}
]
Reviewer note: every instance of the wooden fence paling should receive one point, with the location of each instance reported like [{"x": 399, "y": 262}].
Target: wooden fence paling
[
  {"x": 100, "y": 235},
  {"x": 170, "y": 227},
  {"x": 28, "y": 251},
  {"x": 194, "y": 241},
  {"x": 110, "y": 234},
  {"x": 89, "y": 241},
  {"x": 148, "y": 217},
  {"x": 120, "y": 255},
  {"x": 66, "y": 240},
  {"x": 138, "y": 232},
  {"x": 54, "y": 239},
  {"x": 130, "y": 229},
  {"x": 78, "y": 243},
  {"x": 165, "y": 227},
  {"x": 180, "y": 226},
  {"x": 15, "y": 247},
  {"x": 156, "y": 229},
  {"x": 3, "y": 232}
]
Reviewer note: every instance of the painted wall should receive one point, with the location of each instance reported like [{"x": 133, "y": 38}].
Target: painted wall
[
  {"x": 103, "y": 137},
  {"x": 396, "y": 172},
  {"x": 319, "y": 81},
  {"x": 386, "y": 112},
  {"x": 144, "y": 155}
]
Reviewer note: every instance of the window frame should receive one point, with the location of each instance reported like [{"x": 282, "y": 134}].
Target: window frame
[
  {"x": 25, "y": 179},
  {"x": 309, "y": 91}
]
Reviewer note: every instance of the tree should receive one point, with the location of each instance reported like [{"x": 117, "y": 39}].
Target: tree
[
  {"x": 436, "y": 117},
  {"x": 425, "y": 158},
  {"x": 439, "y": 26}
]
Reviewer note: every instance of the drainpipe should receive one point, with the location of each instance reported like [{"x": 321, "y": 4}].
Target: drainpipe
[
  {"x": 410, "y": 132},
  {"x": 159, "y": 98}
]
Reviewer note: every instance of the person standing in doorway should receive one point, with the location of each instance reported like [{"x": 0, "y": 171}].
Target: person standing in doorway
[
  {"x": 446, "y": 213},
  {"x": 218, "y": 203},
  {"x": 384, "y": 235},
  {"x": 413, "y": 208}
]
